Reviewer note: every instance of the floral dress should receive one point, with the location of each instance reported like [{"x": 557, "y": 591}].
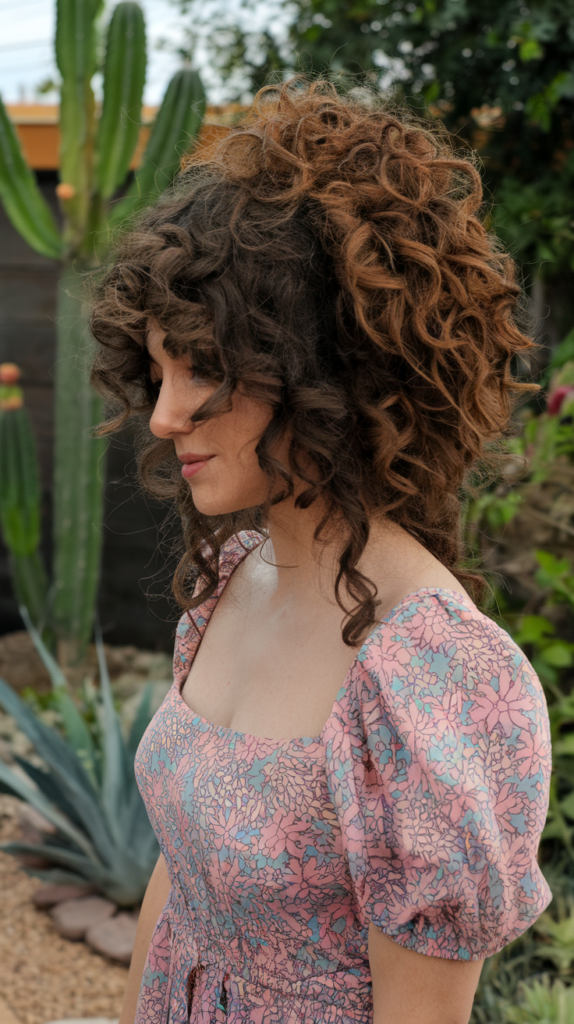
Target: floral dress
[{"x": 419, "y": 808}]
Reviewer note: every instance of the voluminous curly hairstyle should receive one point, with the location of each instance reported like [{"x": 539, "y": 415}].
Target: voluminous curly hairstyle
[{"x": 326, "y": 256}]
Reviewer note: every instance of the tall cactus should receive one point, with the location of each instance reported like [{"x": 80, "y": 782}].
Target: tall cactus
[
  {"x": 20, "y": 495},
  {"x": 95, "y": 156}
]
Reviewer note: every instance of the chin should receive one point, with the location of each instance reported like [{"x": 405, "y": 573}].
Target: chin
[{"x": 222, "y": 504}]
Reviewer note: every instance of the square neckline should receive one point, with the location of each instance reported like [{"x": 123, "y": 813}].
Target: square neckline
[{"x": 302, "y": 741}]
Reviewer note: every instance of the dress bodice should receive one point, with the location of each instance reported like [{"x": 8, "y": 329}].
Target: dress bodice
[{"x": 419, "y": 809}]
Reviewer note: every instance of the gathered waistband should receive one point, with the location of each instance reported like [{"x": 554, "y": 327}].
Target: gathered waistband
[
  {"x": 218, "y": 993},
  {"x": 215, "y": 986}
]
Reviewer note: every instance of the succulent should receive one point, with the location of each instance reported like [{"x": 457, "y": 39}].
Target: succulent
[
  {"x": 559, "y": 935},
  {"x": 542, "y": 1003},
  {"x": 86, "y": 788}
]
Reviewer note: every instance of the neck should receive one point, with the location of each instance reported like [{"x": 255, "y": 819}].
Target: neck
[{"x": 301, "y": 561}]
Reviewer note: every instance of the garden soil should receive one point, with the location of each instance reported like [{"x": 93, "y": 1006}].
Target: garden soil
[{"x": 44, "y": 977}]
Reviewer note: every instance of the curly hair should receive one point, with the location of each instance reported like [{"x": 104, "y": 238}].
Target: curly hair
[{"x": 328, "y": 257}]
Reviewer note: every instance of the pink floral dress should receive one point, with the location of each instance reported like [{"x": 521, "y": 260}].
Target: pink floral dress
[{"x": 419, "y": 808}]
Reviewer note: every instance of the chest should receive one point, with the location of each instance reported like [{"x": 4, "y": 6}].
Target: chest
[
  {"x": 273, "y": 674},
  {"x": 250, "y": 820}
]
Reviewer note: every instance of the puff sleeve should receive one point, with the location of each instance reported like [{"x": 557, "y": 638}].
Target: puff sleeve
[{"x": 438, "y": 756}]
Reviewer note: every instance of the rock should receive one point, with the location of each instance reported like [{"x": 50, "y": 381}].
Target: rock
[
  {"x": 6, "y": 1015},
  {"x": 115, "y": 937},
  {"x": 73, "y": 917},
  {"x": 20, "y": 663},
  {"x": 5, "y": 751},
  {"x": 49, "y": 895},
  {"x": 35, "y": 827},
  {"x": 85, "y": 1020}
]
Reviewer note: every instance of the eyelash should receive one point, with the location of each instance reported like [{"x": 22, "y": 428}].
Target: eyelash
[{"x": 196, "y": 377}]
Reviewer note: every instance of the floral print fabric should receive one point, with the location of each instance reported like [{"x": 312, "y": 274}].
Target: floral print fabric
[{"x": 419, "y": 808}]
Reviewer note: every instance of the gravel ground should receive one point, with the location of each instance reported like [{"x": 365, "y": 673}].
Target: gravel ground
[{"x": 44, "y": 977}]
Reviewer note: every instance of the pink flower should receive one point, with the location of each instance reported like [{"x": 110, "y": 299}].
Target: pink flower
[
  {"x": 306, "y": 883},
  {"x": 226, "y": 827},
  {"x": 535, "y": 755},
  {"x": 283, "y": 833},
  {"x": 557, "y": 397},
  {"x": 505, "y": 707}
]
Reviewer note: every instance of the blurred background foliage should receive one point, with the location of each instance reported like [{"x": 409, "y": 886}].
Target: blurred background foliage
[{"x": 498, "y": 74}]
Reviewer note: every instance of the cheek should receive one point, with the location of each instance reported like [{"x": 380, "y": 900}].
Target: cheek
[
  {"x": 236, "y": 480},
  {"x": 243, "y": 427}
]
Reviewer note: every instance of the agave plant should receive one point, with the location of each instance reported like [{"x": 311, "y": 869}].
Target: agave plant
[
  {"x": 543, "y": 1003},
  {"x": 559, "y": 945},
  {"x": 86, "y": 789}
]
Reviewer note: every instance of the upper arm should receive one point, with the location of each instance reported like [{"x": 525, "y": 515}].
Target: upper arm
[
  {"x": 420, "y": 989},
  {"x": 160, "y": 881}
]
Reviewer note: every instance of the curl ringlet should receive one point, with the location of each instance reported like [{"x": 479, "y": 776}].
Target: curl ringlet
[{"x": 327, "y": 257}]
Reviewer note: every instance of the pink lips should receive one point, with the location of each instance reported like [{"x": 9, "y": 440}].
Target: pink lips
[{"x": 192, "y": 463}]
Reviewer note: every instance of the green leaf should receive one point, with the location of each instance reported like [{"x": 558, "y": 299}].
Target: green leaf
[
  {"x": 534, "y": 629},
  {"x": 21, "y": 789},
  {"x": 124, "y": 76},
  {"x": 558, "y": 654},
  {"x": 88, "y": 868},
  {"x": 57, "y": 677},
  {"x": 77, "y": 732},
  {"x": 141, "y": 720},
  {"x": 567, "y": 805},
  {"x": 530, "y": 49},
  {"x": 48, "y": 785},
  {"x": 564, "y": 352},
  {"x": 173, "y": 134},
  {"x": 24, "y": 203},
  {"x": 67, "y": 769},
  {"x": 114, "y": 780},
  {"x": 565, "y": 746},
  {"x": 553, "y": 568}
]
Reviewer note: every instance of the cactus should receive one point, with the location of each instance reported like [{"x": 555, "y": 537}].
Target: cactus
[
  {"x": 94, "y": 162},
  {"x": 21, "y": 197},
  {"x": 118, "y": 129},
  {"x": 79, "y": 469},
  {"x": 20, "y": 496},
  {"x": 178, "y": 120}
]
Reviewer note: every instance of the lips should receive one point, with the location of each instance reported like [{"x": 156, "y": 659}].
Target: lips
[
  {"x": 192, "y": 463},
  {"x": 189, "y": 457}
]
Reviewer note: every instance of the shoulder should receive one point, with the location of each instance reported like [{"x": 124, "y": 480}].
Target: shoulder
[
  {"x": 436, "y": 656},
  {"x": 193, "y": 620},
  {"x": 439, "y": 765}
]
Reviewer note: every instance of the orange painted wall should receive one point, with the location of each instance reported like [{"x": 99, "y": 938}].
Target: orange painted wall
[{"x": 37, "y": 128}]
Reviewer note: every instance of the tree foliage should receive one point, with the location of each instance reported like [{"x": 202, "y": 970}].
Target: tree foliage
[{"x": 500, "y": 74}]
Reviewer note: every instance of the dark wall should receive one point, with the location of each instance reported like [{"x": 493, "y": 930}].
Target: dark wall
[{"x": 132, "y": 564}]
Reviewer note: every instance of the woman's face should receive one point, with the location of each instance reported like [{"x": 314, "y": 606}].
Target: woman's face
[{"x": 218, "y": 455}]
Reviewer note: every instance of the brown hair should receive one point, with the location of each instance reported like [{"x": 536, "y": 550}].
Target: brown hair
[{"x": 328, "y": 256}]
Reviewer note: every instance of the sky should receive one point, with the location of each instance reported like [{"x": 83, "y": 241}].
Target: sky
[{"x": 26, "y": 46}]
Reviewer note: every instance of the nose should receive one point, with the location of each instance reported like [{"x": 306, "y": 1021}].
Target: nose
[{"x": 172, "y": 414}]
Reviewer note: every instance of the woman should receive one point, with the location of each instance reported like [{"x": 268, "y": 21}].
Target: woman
[{"x": 349, "y": 777}]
